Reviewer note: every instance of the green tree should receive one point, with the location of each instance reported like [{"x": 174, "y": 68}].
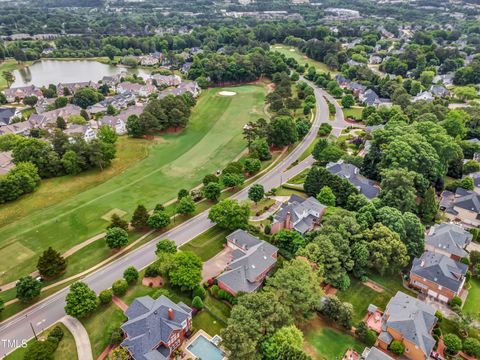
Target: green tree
[
  {"x": 105, "y": 296},
  {"x": 117, "y": 222},
  {"x": 330, "y": 153},
  {"x": 326, "y": 196},
  {"x": 60, "y": 102},
  {"x": 297, "y": 287},
  {"x": 212, "y": 191},
  {"x": 453, "y": 344},
  {"x": 30, "y": 101},
  {"x": 41, "y": 350},
  {"x": 290, "y": 335},
  {"x": 81, "y": 300},
  {"x": 471, "y": 166},
  {"x": 230, "y": 214},
  {"x": 133, "y": 127},
  {"x": 166, "y": 246},
  {"x": 120, "y": 287},
  {"x": 2, "y": 305},
  {"x": 256, "y": 193},
  {"x": 365, "y": 335},
  {"x": 210, "y": 178},
  {"x": 140, "y": 218},
  {"x": 9, "y": 78},
  {"x": 61, "y": 123},
  {"x": 288, "y": 240},
  {"x": 259, "y": 149},
  {"x": 348, "y": 101},
  {"x": 28, "y": 288},
  {"x": 119, "y": 353},
  {"x": 472, "y": 347},
  {"x": 182, "y": 193},
  {"x": 131, "y": 275},
  {"x": 116, "y": 238},
  {"x": 455, "y": 123},
  {"x": 186, "y": 206},
  {"x": 252, "y": 165},
  {"x": 107, "y": 134},
  {"x": 397, "y": 347},
  {"x": 429, "y": 206},
  {"x": 72, "y": 162},
  {"x": 186, "y": 270},
  {"x": 197, "y": 303},
  {"x": 51, "y": 263},
  {"x": 282, "y": 131},
  {"x": 398, "y": 190},
  {"x": 86, "y": 97},
  {"x": 159, "y": 220}
]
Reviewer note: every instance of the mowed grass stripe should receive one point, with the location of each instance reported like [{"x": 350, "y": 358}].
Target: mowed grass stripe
[{"x": 212, "y": 139}]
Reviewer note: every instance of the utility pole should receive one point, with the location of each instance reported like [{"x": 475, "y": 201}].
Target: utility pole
[{"x": 34, "y": 334}]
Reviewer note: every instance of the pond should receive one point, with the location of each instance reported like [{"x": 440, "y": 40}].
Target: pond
[{"x": 45, "y": 72}]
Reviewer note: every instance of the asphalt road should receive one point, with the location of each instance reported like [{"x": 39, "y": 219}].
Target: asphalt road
[{"x": 49, "y": 311}]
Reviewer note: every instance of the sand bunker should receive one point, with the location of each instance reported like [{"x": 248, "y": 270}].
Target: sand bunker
[
  {"x": 227, "y": 93},
  {"x": 292, "y": 49}
]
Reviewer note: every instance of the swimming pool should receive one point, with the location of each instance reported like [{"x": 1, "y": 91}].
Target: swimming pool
[{"x": 203, "y": 349}]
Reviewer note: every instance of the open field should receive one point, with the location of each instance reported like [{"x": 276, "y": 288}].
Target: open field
[
  {"x": 301, "y": 58},
  {"x": 208, "y": 244},
  {"x": 66, "y": 346},
  {"x": 212, "y": 139},
  {"x": 354, "y": 112},
  {"x": 325, "y": 342}
]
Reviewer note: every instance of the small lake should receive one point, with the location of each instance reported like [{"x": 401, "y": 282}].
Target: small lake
[{"x": 45, "y": 72}]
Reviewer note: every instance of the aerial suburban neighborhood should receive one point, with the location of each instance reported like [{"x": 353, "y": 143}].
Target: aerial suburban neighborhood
[{"x": 239, "y": 179}]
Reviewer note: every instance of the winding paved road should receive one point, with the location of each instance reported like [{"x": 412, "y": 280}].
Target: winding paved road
[{"x": 49, "y": 311}]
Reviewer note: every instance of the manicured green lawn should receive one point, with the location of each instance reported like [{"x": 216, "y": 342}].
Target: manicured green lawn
[
  {"x": 293, "y": 52},
  {"x": 100, "y": 324},
  {"x": 205, "y": 321},
  {"x": 65, "y": 347},
  {"x": 325, "y": 342},
  {"x": 175, "y": 161},
  {"x": 392, "y": 282},
  {"x": 7, "y": 65},
  {"x": 355, "y": 113},
  {"x": 260, "y": 206},
  {"x": 471, "y": 305},
  {"x": 208, "y": 244},
  {"x": 360, "y": 296}
]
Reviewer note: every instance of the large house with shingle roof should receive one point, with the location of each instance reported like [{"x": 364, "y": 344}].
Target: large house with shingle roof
[
  {"x": 462, "y": 205},
  {"x": 448, "y": 239},
  {"x": 155, "y": 328},
  {"x": 298, "y": 214},
  {"x": 374, "y": 353},
  {"x": 438, "y": 276},
  {"x": 411, "y": 322},
  {"x": 251, "y": 261},
  {"x": 22, "y": 92},
  {"x": 352, "y": 174}
]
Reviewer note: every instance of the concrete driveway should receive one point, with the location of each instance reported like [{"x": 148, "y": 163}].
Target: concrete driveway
[
  {"x": 217, "y": 264},
  {"x": 82, "y": 341}
]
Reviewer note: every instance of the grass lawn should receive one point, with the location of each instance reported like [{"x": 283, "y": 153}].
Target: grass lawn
[
  {"x": 360, "y": 296},
  {"x": 260, "y": 206},
  {"x": 325, "y": 342},
  {"x": 392, "y": 282},
  {"x": 355, "y": 113},
  {"x": 66, "y": 346},
  {"x": 7, "y": 65},
  {"x": 205, "y": 321},
  {"x": 299, "y": 178},
  {"x": 284, "y": 191},
  {"x": 100, "y": 324},
  {"x": 472, "y": 303},
  {"x": 208, "y": 244},
  {"x": 301, "y": 58},
  {"x": 174, "y": 161}
]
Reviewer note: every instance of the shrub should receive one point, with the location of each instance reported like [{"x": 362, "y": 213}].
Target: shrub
[
  {"x": 268, "y": 229},
  {"x": 116, "y": 336},
  {"x": 151, "y": 271},
  {"x": 41, "y": 350},
  {"x": 120, "y": 287},
  {"x": 57, "y": 333},
  {"x": 456, "y": 302},
  {"x": 397, "y": 347},
  {"x": 439, "y": 316},
  {"x": 472, "y": 347},
  {"x": 131, "y": 275},
  {"x": 324, "y": 129},
  {"x": 161, "y": 292},
  {"x": 200, "y": 292},
  {"x": 197, "y": 303},
  {"x": 105, "y": 296},
  {"x": 214, "y": 290},
  {"x": 452, "y": 343}
]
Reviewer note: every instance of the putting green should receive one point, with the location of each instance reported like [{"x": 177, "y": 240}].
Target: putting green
[{"x": 212, "y": 139}]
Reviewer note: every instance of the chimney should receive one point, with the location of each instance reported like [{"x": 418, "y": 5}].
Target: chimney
[
  {"x": 288, "y": 221},
  {"x": 170, "y": 313}
]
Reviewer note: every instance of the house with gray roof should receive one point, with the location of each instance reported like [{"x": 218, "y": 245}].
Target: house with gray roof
[
  {"x": 411, "y": 322},
  {"x": 374, "y": 353},
  {"x": 7, "y": 114},
  {"x": 19, "y": 93},
  {"x": 370, "y": 97},
  {"x": 438, "y": 276},
  {"x": 476, "y": 180},
  {"x": 461, "y": 206},
  {"x": 448, "y": 239},
  {"x": 251, "y": 261},
  {"x": 155, "y": 328},
  {"x": 425, "y": 96},
  {"x": 298, "y": 214},
  {"x": 352, "y": 174},
  {"x": 439, "y": 91}
]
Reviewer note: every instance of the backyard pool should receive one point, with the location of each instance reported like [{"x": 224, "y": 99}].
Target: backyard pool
[{"x": 203, "y": 349}]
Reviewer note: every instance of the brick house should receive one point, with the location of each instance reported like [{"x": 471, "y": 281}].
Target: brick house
[
  {"x": 251, "y": 261},
  {"x": 298, "y": 214},
  {"x": 438, "y": 276},
  {"x": 411, "y": 322},
  {"x": 448, "y": 239},
  {"x": 155, "y": 328}
]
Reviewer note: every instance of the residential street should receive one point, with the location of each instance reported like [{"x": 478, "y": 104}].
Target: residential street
[{"x": 46, "y": 313}]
